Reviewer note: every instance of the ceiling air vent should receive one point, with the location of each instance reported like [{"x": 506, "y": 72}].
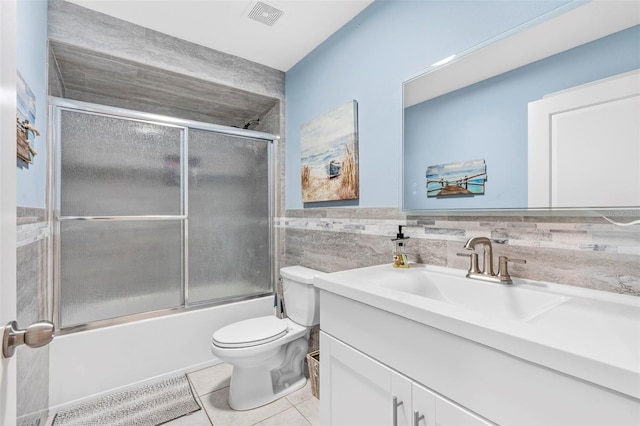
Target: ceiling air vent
[{"x": 264, "y": 13}]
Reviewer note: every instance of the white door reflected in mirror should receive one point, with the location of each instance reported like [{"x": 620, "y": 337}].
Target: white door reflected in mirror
[
  {"x": 474, "y": 107},
  {"x": 570, "y": 128}
]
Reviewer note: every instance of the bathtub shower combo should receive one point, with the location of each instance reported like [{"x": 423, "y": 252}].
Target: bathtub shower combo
[{"x": 155, "y": 214}]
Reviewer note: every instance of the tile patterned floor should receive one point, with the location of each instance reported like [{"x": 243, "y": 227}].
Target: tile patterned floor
[{"x": 211, "y": 388}]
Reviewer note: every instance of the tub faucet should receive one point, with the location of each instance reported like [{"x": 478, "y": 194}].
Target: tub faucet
[{"x": 487, "y": 257}]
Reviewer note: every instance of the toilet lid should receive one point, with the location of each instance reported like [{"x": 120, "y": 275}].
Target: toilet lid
[{"x": 251, "y": 332}]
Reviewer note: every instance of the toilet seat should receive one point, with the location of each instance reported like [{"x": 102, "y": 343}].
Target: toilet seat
[{"x": 251, "y": 332}]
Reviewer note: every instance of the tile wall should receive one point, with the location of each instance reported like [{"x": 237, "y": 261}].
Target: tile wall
[
  {"x": 78, "y": 26},
  {"x": 580, "y": 251},
  {"x": 33, "y": 279}
]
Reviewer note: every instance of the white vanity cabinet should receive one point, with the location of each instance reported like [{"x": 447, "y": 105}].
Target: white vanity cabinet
[
  {"x": 358, "y": 390},
  {"x": 456, "y": 368}
]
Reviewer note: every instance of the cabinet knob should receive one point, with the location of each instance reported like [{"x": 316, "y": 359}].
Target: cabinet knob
[{"x": 417, "y": 417}]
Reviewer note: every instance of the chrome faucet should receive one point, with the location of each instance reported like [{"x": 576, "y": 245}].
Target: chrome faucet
[{"x": 486, "y": 273}]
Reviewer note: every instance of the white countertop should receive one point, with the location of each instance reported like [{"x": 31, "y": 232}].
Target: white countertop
[{"x": 592, "y": 335}]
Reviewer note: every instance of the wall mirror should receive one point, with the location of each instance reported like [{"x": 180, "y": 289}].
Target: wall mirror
[{"x": 469, "y": 139}]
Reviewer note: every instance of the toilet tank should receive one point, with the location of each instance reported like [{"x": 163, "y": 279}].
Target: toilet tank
[{"x": 301, "y": 299}]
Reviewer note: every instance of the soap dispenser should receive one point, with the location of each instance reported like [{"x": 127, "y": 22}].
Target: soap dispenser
[{"x": 399, "y": 250}]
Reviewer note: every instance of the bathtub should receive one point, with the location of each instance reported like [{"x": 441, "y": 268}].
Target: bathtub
[{"x": 89, "y": 364}]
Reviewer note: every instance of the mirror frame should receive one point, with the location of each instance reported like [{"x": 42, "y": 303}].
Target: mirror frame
[{"x": 534, "y": 40}]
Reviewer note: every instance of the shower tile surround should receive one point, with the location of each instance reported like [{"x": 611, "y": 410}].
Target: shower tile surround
[
  {"x": 85, "y": 28},
  {"x": 101, "y": 59},
  {"x": 33, "y": 233},
  {"x": 91, "y": 76}
]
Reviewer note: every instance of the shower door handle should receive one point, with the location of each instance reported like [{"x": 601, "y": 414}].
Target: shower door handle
[{"x": 37, "y": 334}]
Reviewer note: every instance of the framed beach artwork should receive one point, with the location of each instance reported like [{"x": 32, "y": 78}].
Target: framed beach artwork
[
  {"x": 26, "y": 118},
  {"x": 464, "y": 178},
  {"x": 329, "y": 154}
]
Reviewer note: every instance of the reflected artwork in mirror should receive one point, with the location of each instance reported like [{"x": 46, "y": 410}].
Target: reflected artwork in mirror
[
  {"x": 486, "y": 116},
  {"x": 460, "y": 179}
]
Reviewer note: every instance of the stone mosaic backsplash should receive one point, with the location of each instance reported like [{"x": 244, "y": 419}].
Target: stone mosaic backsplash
[{"x": 587, "y": 252}]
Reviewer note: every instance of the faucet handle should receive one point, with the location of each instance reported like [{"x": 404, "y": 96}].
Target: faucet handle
[
  {"x": 473, "y": 265},
  {"x": 503, "y": 271}
]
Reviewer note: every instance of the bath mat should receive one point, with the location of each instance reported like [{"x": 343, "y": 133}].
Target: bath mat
[{"x": 149, "y": 405}]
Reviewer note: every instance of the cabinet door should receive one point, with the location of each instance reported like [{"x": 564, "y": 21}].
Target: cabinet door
[
  {"x": 424, "y": 406},
  {"x": 357, "y": 390},
  {"x": 450, "y": 414},
  {"x": 430, "y": 409}
]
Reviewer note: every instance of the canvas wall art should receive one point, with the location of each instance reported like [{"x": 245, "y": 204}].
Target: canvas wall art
[
  {"x": 329, "y": 154},
  {"x": 25, "y": 121},
  {"x": 463, "y": 178}
]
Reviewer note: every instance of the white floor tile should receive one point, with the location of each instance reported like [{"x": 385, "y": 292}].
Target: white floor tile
[
  {"x": 211, "y": 379},
  {"x": 290, "y": 417},
  {"x": 221, "y": 414},
  {"x": 199, "y": 418},
  {"x": 300, "y": 395},
  {"x": 310, "y": 409}
]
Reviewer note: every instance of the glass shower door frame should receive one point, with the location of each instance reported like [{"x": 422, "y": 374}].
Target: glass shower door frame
[{"x": 57, "y": 106}]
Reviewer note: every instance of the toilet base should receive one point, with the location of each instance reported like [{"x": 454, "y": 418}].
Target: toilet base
[
  {"x": 248, "y": 402},
  {"x": 255, "y": 386}
]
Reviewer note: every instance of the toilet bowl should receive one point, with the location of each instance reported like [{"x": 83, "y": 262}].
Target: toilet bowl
[{"x": 267, "y": 353}]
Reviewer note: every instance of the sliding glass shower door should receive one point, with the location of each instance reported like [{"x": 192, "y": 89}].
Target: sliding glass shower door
[
  {"x": 154, "y": 216},
  {"x": 229, "y": 238}
]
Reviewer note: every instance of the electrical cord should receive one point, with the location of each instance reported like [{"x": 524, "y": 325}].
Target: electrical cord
[{"x": 634, "y": 222}]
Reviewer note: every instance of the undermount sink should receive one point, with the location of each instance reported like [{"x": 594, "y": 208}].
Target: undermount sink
[{"x": 491, "y": 299}]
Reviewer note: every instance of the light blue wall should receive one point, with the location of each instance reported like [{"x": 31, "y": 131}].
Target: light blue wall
[
  {"x": 31, "y": 57},
  {"x": 368, "y": 59},
  {"x": 489, "y": 120}
]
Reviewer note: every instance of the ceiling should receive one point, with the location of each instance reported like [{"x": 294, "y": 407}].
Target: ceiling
[{"x": 224, "y": 25}]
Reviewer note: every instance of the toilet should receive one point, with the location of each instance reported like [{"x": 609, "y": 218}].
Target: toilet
[{"x": 267, "y": 353}]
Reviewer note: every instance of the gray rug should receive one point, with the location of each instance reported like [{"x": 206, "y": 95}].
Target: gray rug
[{"x": 149, "y": 405}]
